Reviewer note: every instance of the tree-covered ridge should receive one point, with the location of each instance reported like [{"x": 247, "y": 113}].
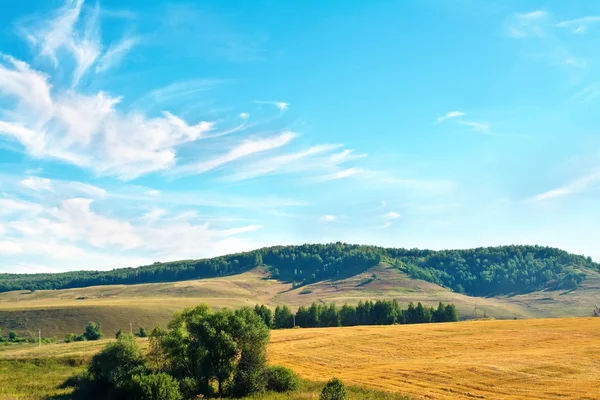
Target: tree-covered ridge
[{"x": 482, "y": 271}]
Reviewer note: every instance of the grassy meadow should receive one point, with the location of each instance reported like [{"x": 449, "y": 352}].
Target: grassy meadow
[{"x": 523, "y": 359}]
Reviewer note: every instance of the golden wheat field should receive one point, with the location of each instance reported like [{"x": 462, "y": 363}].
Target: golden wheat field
[
  {"x": 523, "y": 359},
  {"x": 526, "y": 359}
]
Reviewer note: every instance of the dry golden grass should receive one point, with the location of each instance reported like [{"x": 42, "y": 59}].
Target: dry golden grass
[{"x": 526, "y": 359}]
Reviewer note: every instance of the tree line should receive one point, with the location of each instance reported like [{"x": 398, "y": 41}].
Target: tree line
[
  {"x": 380, "y": 312},
  {"x": 484, "y": 271}
]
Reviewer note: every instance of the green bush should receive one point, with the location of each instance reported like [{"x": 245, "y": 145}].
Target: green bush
[
  {"x": 334, "y": 390},
  {"x": 92, "y": 331},
  {"x": 188, "y": 387},
  {"x": 110, "y": 371},
  {"x": 282, "y": 379},
  {"x": 159, "y": 386},
  {"x": 142, "y": 332}
]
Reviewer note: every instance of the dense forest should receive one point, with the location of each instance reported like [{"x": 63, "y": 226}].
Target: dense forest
[{"x": 482, "y": 271}]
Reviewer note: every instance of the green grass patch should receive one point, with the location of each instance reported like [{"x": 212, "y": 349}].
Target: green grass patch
[{"x": 35, "y": 379}]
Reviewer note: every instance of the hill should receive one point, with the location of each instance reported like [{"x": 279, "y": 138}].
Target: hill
[
  {"x": 480, "y": 272},
  {"x": 510, "y": 360},
  {"x": 58, "y": 312}
]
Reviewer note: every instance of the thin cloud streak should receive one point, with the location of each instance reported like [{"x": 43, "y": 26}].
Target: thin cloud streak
[
  {"x": 450, "y": 115},
  {"x": 579, "y": 185},
  {"x": 579, "y": 25}
]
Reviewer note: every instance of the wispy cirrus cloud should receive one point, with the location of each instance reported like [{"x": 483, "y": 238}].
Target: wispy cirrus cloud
[
  {"x": 578, "y": 185},
  {"x": 579, "y": 25},
  {"x": 588, "y": 93},
  {"x": 38, "y": 184},
  {"x": 529, "y": 24},
  {"x": 328, "y": 218},
  {"x": 116, "y": 52},
  {"x": 479, "y": 127},
  {"x": 450, "y": 115},
  {"x": 244, "y": 149},
  {"x": 280, "y": 105}
]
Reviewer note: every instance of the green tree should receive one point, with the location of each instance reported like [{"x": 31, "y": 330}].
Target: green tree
[
  {"x": 225, "y": 346},
  {"x": 119, "y": 333},
  {"x": 283, "y": 318},
  {"x": 334, "y": 390},
  {"x": 451, "y": 314},
  {"x": 265, "y": 314},
  {"x": 348, "y": 315},
  {"x": 13, "y": 337},
  {"x": 159, "y": 386},
  {"x": 142, "y": 332},
  {"x": 439, "y": 315},
  {"x": 329, "y": 316},
  {"x": 92, "y": 331},
  {"x": 252, "y": 337}
]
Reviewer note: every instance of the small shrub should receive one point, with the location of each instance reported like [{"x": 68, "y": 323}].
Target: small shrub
[
  {"x": 92, "y": 331},
  {"x": 306, "y": 291},
  {"x": 142, "y": 332},
  {"x": 188, "y": 387},
  {"x": 159, "y": 386},
  {"x": 334, "y": 390},
  {"x": 70, "y": 337},
  {"x": 119, "y": 334},
  {"x": 282, "y": 379}
]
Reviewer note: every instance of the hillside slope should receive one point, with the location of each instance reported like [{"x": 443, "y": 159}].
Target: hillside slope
[
  {"x": 58, "y": 312},
  {"x": 485, "y": 271}
]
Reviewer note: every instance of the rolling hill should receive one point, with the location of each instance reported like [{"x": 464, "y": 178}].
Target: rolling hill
[{"x": 58, "y": 312}]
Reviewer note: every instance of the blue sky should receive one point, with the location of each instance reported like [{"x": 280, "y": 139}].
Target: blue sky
[{"x": 163, "y": 131}]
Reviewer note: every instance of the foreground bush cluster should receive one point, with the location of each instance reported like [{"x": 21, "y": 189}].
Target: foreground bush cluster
[
  {"x": 380, "y": 312},
  {"x": 202, "y": 353}
]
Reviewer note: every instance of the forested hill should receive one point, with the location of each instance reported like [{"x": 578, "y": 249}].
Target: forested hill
[{"x": 481, "y": 272}]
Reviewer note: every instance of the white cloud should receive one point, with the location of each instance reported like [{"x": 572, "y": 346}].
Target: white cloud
[
  {"x": 571, "y": 61},
  {"x": 588, "y": 93},
  {"x": 38, "y": 184},
  {"x": 328, "y": 218},
  {"x": 450, "y": 115},
  {"x": 75, "y": 221},
  {"x": 392, "y": 215},
  {"x": 479, "y": 127},
  {"x": 2, "y": 229},
  {"x": 385, "y": 225},
  {"x": 10, "y": 206},
  {"x": 10, "y": 247},
  {"x": 344, "y": 173},
  {"x": 282, "y": 106},
  {"x": 579, "y": 185},
  {"x": 87, "y": 130},
  {"x": 531, "y": 24},
  {"x": 302, "y": 161},
  {"x": 246, "y": 148},
  {"x": 116, "y": 53},
  {"x": 579, "y": 25},
  {"x": 60, "y": 33},
  {"x": 244, "y": 115},
  {"x": 153, "y": 192}
]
